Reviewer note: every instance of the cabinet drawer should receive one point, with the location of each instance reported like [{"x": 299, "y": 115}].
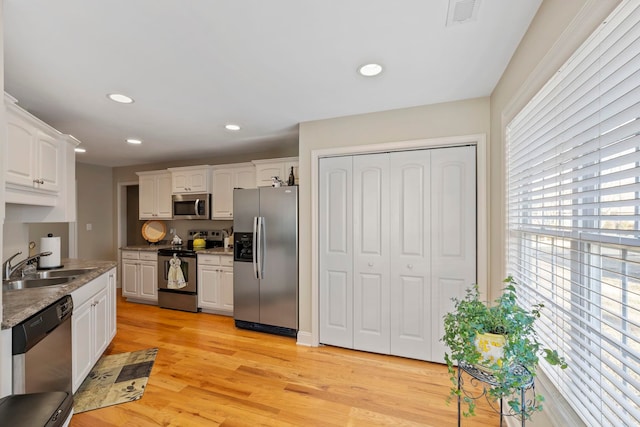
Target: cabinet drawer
[
  {"x": 226, "y": 261},
  {"x": 209, "y": 259},
  {"x": 130, "y": 255},
  {"x": 148, "y": 256}
]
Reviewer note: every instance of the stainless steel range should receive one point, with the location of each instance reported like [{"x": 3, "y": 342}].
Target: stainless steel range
[{"x": 178, "y": 271}]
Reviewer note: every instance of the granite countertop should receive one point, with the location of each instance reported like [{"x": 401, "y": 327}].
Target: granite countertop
[
  {"x": 20, "y": 304},
  {"x": 216, "y": 251},
  {"x": 150, "y": 248}
]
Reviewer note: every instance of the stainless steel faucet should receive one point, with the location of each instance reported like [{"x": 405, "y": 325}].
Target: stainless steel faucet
[{"x": 8, "y": 269}]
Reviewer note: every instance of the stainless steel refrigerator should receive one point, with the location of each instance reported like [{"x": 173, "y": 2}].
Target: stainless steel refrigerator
[{"x": 265, "y": 262}]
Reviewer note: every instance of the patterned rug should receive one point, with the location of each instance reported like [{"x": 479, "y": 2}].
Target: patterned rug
[{"x": 116, "y": 378}]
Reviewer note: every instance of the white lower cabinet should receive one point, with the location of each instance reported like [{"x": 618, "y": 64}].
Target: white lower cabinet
[
  {"x": 140, "y": 276},
  {"x": 215, "y": 283},
  {"x": 92, "y": 324}
]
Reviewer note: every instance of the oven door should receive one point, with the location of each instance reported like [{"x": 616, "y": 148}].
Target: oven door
[{"x": 171, "y": 280}]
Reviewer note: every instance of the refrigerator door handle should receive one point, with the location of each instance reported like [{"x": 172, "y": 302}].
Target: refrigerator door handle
[
  {"x": 261, "y": 247},
  {"x": 254, "y": 247}
]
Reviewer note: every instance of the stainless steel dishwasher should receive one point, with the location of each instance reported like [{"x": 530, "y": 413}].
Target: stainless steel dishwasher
[{"x": 42, "y": 350}]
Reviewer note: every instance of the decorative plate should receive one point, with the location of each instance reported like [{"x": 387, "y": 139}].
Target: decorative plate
[{"x": 153, "y": 231}]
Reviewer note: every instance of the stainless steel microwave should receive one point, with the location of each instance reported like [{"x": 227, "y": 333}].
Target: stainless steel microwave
[{"x": 191, "y": 206}]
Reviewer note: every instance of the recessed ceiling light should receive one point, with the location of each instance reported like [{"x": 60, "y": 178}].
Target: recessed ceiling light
[
  {"x": 232, "y": 126},
  {"x": 133, "y": 141},
  {"x": 118, "y": 97},
  {"x": 370, "y": 70},
  {"x": 80, "y": 150}
]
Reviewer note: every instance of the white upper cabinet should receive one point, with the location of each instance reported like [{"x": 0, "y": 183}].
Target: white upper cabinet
[
  {"x": 34, "y": 155},
  {"x": 155, "y": 195},
  {"x": 39, "y": 168},
  {"x": 267, "y": 169},
  {"x": 196, "y": 179},
  {"x": 225, "y": 179}
]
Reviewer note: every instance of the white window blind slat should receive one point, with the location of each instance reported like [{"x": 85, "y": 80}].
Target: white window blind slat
[{"x": 573, "y": 219}]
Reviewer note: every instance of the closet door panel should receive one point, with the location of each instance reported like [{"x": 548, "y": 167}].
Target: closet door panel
[
  {"x": 371, "y": 252},
  {"x": 410, "y": 299},
  {"x": 453, "y": 232},
  {"x": 336, "y": 252}
]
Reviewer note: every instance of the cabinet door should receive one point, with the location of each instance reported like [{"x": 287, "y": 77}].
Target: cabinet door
[
  {"x": 163, "y": 196},
  {"x": 226, "y": 289},
  {"x": 146, "y": 197},
  {"x": 20, "y": 152},
  {"x": 197, "y": 181},
  {"x": 223, "y": 180},
  {"x": 179, "y": 183},
  {"x": 371, "y": 288},
  {"x": 410, "y": 257},
  {"x": 148, "y": 280},
  {"x": 82, "y": 343},
  {"x": 208, "y": 286},
  {"x": 336, "y": 252},
  {"x": 129, "y": 278},
  {"x": 264, "y": 173},
  {"x": 111, "y": 300},
  {"x": 49, "y": 162},
  {"x": 245, "y": 177},
  {"x": 100, "y": 320}
]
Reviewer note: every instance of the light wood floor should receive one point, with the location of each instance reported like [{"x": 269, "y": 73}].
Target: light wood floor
[{"x": 208, "y": 373}]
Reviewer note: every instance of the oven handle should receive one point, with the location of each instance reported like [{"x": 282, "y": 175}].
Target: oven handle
[{"x": 195, "y": 207}]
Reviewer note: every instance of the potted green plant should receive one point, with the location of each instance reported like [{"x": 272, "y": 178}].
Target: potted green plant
[{"x": 471, "y": 318}]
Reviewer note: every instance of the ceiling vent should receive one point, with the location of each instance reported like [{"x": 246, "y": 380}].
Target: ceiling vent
[{"x": 462, "y": 11}]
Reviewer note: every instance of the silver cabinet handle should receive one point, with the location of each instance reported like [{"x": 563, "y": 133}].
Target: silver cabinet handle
[
  {"x": 370, "y": 264},
  {"x": 409, "y": 266}
]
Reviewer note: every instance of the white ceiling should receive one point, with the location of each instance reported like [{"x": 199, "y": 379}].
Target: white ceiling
[{"x": 194, "y": 65}]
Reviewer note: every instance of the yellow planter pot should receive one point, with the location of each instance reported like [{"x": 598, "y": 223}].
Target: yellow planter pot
[{"x": 491, "y": 348}]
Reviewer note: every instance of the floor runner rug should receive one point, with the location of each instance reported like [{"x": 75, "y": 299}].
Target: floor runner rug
[{"x": 116, "y": 378}]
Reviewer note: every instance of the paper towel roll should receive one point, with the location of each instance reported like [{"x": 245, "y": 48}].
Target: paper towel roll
[{"x": 50, "y": 244}]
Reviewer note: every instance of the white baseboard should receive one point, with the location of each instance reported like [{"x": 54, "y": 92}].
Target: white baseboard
[{"x": 304, "y": 338}]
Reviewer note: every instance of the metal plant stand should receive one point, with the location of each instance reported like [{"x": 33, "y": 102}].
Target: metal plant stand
[{"x": 488, "y": 380}]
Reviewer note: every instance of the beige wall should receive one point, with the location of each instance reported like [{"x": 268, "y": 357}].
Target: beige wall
[
  {"x": 95, "y": 207},
  {"x": 58, "y": 229},
  {"x": 431, "y": 121}
]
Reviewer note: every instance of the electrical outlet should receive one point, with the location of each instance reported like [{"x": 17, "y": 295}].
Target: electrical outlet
[
  {"x": 172, "y": 231},
  {"x": 89, "y": 227}
]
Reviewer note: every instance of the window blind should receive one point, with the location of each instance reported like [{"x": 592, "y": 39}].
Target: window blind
[{"x": 573, "y": 214}]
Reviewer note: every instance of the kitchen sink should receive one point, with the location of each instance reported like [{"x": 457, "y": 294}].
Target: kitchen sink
[
  {"x": 63, "y": 273},
  {"x": 26, "y": 283},
  {"x": 45, "y": 278}
]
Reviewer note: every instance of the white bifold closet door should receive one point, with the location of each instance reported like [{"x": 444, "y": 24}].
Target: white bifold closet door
[{"x": 397, "y": 241}]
